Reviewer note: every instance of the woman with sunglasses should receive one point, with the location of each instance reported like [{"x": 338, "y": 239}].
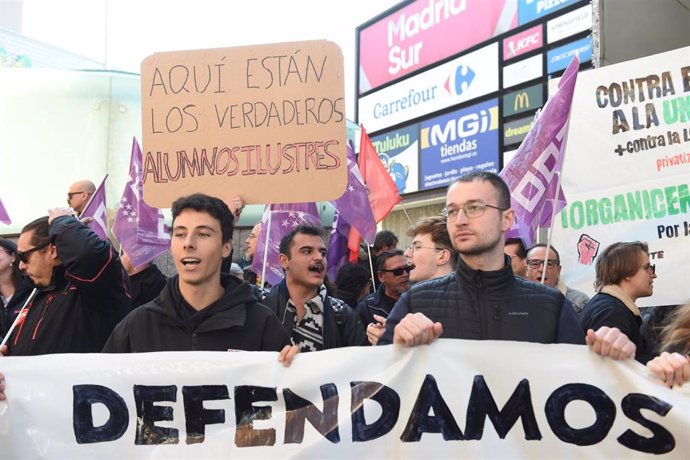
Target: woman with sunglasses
[
  {"x": 14, "y": 286},
  {"x": 623, "y": 275}
]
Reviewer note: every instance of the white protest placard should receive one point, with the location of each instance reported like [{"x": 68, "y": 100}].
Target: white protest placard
[
  {"x": 626, "y": 174},
  {"x": 453, "y": 399},
  {"x": 266, "y": 122}
]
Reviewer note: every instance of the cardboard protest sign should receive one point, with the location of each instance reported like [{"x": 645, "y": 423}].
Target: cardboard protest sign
[
  {"x": 266, "y": 122},
  {"x": 626, "y": 174},
  {"x": 453, "y": 399}
]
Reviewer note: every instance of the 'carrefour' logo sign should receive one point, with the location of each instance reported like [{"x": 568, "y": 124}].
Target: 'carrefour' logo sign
[{"x": 459, "y": 80}]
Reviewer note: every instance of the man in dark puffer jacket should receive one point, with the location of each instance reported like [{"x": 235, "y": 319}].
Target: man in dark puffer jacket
[
  {"x": 198, "y": 309},
  {"x": 482, "y": 299}
]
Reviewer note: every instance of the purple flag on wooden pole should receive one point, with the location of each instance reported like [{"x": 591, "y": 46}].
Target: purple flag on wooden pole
[
  {"x": 283, "y": 218},
  {"x": 338, "y": 252},
  {"x": 533, "y": 173},
  {"x": 97, "y": 210},
  {"x": 4, "y": 217},
  {"x": 139, "y": 228},
  {"x": 353, "y": 206}
]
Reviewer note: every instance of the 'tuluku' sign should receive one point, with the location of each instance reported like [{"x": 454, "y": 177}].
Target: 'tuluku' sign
[{"x": 252, "y": 120}]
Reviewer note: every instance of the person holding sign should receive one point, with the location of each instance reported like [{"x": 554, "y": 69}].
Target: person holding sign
[
  {"x": 313, "y": 319},
  {"x": 623, "y": 275},
  {"x": 483, "y": 299},
  {"x": 200, "y": 308}
]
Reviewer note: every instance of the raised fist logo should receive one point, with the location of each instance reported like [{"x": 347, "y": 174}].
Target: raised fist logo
[{"x": 587, "y": 249}]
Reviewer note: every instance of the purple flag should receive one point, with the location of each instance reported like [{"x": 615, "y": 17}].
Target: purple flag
[
  {"x": 532, "y": 174},
  {"x": 284, "y": 217},
  {"x": 139, "y": 227},
  {"x": 353, "y": 206},
  {"x": 97, "y": 210},
  {"x": 338, "y": 252},
  {"x": 4, "y": 217}
]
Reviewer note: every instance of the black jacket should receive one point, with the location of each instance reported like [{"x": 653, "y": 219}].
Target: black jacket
[
  {"x": 606, "y": 310},
  {"x": 341, "y": 326},
  {"x": 490, "y": 305},
  {"x": 236, "y": 321},
  {"x": 146, "y": 285},
  {"x": 87, "y": 298},
  {"x": 376, "y": 303},
  {"x": 10, "y": 311}
]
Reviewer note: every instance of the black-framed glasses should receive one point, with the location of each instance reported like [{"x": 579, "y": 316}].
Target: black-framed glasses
[
  {"x": 471, "y": 210},
  {"x": 71, "y": 194},
  {"x": 536, "y": 263},
  {"x": 651, "y": 268},
  {"x": 400, "y": 270},
  {"x": 23, "y": 256},
  {"x": 413, "y": 247}
]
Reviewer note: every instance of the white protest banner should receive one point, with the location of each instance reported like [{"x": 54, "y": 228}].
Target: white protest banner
[
  {"x": 626, "y": 174},
  {"x": 250, "y": 120},
  {"x": 453, "y": 399}
]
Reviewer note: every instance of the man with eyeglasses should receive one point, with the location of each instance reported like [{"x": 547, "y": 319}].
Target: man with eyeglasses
[
  {"x": 431, "y": 251},
  {"x": 313, "y": 319},
  {"x": 539, "y": 265},
  {"x": 394, "y": 271},
  {"x": 79, "y": 194},
  {"x": 82, "y": 288},
  {"x": 483, "y": 299}
]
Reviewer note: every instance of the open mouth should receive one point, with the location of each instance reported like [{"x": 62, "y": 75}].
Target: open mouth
[
  {"x": 316, "y": 269},
  {"x": 190, "y": 261}
]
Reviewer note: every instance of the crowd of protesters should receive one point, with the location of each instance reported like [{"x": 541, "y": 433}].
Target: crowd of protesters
[{"x": 459, "y": 278}]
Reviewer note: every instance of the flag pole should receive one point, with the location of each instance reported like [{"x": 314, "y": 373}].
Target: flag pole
[
  {"x": 16, "y": 320},
  {"x": 406, "y": 214},
  {"x": 268, "y": 235},
  {"x": 371, "y": 266}
]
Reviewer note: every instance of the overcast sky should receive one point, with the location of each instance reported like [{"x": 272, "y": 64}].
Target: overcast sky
[{"x": 134, "y": 29}]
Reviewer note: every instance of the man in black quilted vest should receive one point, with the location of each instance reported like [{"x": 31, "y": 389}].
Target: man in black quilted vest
[{"x": 483, "y": 299}]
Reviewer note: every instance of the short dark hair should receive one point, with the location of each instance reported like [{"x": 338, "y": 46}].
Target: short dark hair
[
  {"x": 385, "y": 238},
  {"x": 384, "y": 256},
  {"x": 352, "y": 278},
  {"x": 618, "y": 261},
  {"x": 495, "y": 180},
  {"x": 286, "y": 241},
  {"x": 543, "y": 245},
  {"x": 40, "y": 228},
  {"x": 521, "y": 249},
  {"x": 208, "y": 204}
]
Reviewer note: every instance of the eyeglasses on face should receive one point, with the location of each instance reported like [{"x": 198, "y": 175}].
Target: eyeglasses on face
[
  {"x": 471, "y": 210},
  {"x": 651, "y": 268},
  {"x": 400, "y": 270},
  {"x": 23, "y": 256},
  {"x": 414, "y": 246},
  {"x": 536, "y": 263},
  {"x": 71, "y": 194}
]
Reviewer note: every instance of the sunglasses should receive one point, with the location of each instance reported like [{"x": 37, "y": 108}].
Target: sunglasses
[
  {"x": 71, "y": 194},
  {"x": 23, "y": 256},
  {"x": 400, "y": 270}
]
